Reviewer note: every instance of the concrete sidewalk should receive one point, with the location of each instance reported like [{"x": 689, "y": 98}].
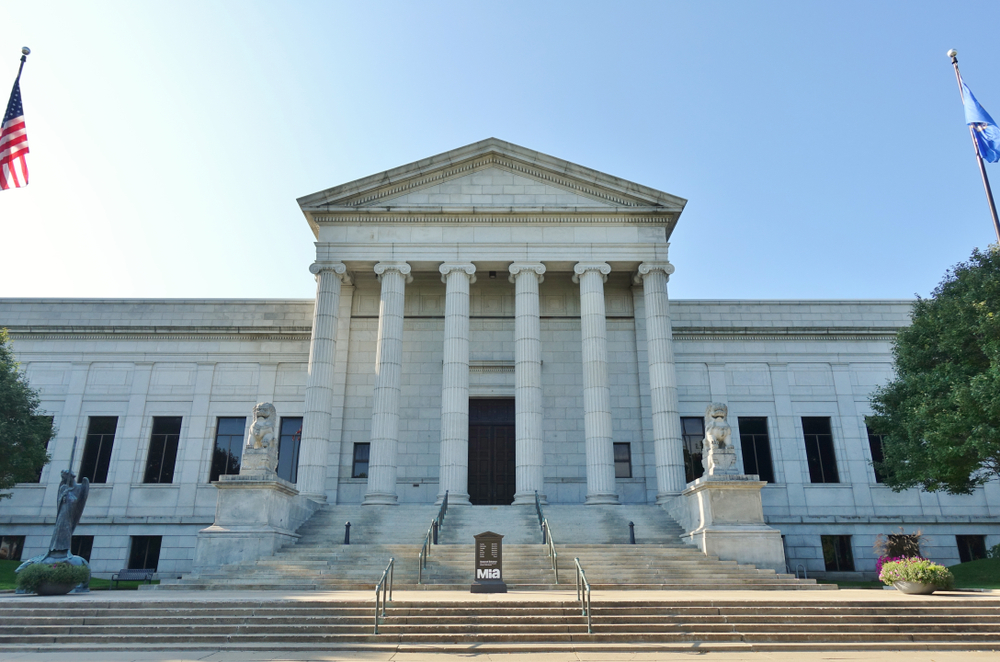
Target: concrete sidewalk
[{"x": 582, "y": 656}]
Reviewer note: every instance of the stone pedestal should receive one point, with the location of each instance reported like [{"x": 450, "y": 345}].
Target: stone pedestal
[
  {"x": 724, "y": 517},
  {"x": 253, "y": 519}
]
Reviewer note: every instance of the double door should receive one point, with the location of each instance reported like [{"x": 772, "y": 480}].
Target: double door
[{"x": 491, "y": 452}]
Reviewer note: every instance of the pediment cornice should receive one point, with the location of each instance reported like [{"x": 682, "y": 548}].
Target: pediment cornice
[{"x": 372, "y": 197}]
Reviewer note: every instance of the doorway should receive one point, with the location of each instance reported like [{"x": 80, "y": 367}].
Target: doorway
[{"x": 491, "y": 452}]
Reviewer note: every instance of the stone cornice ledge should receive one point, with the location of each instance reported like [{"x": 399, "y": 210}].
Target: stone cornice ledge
[{"x": 161, "y": 332}]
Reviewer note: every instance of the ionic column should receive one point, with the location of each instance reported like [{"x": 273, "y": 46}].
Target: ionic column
[
  {"x": 319, "y": 380},
  {"x": 668, "y": 444},
  {"x": 388, "y": 375},
  {"x": 596, "y": 395},
  {"x": 455, "y": 384},
  {"x": 527, "y": 383}
]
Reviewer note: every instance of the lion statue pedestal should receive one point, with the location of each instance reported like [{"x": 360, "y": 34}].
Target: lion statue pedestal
[
  {"x": 256, "y": 512},
  {"x": 722, "y": 511}
]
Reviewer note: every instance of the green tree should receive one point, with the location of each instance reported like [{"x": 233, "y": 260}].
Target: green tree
[
  {"x": 23, "y": 431},
  {"x": 941, "y": 414}
]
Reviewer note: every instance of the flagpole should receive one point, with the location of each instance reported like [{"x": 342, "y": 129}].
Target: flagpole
[
  {"x": 25, "y": 52},
  {"x": 953, "y": 54}
]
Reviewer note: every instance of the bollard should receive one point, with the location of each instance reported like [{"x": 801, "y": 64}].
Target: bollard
[
  {"x": 434, "y": 526},
  {"x": 347, "y": 533},
  {"x": 631, "y": 533}
]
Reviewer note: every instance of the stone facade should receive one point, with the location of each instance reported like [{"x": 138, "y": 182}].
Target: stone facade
[{"x": 488, "y": 272}]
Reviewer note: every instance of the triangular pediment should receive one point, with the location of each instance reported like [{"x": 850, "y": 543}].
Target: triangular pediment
[
  {"x": 492, "y": 186},
  {"x": 490, "y": 174}
]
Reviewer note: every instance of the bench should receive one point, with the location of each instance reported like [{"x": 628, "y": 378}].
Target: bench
[{"x": 132, "y": 575}]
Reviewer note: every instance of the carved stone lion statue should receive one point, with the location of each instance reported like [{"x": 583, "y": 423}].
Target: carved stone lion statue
[
  {"x": 260, "y": 457},
  {"x": 262, "y": 428},
  {"x": 719, "y": 455}
]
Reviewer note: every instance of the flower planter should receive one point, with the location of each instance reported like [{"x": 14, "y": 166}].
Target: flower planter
[
  {"x": 55, "y": 589},
  {"x": 914, "y": 588}
]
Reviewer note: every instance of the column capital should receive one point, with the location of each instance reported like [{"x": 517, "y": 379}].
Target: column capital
[
  {"x": 647, "y": 268},
  {"x": 583, "y": 267},
  {"x": 519, "y": 268},
  {"x": 466, "y": 267},
  {"x": 338, "y": 269},
  {"x": 402, "y": 267}
]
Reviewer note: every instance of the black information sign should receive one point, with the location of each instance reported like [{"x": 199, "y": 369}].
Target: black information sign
[{"x": 489, "y": 564}]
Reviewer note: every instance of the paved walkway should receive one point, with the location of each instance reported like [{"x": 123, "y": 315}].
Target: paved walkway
[{"x": 380, "y": 656}]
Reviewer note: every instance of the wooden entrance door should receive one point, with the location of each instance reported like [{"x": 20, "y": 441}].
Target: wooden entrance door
[{"x": 491, "y": 452}]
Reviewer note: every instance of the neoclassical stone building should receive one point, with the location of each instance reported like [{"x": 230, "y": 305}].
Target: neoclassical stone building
[{"x": 491, "y": 322}]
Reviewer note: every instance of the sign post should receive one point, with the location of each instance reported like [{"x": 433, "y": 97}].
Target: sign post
[{"x": 489, "y": 564}]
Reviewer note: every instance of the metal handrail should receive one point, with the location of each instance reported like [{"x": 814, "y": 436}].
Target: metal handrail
[
  {"x": 443, "y": 510},
  {"x": 425, "y": 551},
  {"x": 581, "y": 585},
  {"x": 550, "y": 544},
  {"x": 538, "y": 511},
  {"x": 383, "y": 585},
  {"x": 805, "y": 573}
]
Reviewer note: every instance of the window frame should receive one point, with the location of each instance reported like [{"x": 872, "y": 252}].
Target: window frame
[
  {"x": 169, "y": 442},
  {"x": 240, "y": 439},
  {"x": 99, "y": 460},
  {"x": 358, "y": 445},
  {"x": 751, "y": 444},
  {"x": 825, "y": 469},
  {"x": 693, "y": 467},
  {"x": 842, "y": 550},
  {"x": 293, "y": 442},
  {"x": 626, "y": 462}
]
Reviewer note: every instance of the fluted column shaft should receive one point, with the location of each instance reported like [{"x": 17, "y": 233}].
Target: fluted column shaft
[
  {"x": 596, "y": 393},
  {"x": 319, "y": 380},
  {"x": 668, "y": 443},
  {"x": 528, "y": 451},
  {"x": 455, "y": 384},
  {"x": 388, "y": 376}
]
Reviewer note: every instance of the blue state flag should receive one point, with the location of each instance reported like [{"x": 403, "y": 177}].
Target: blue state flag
[{"x": 985, "y": 130}]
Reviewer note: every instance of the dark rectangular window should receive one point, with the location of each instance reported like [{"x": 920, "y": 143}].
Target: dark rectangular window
[
  {"x": 693, "y": 432},
  {"x": 145, "y": 553},
  {"x": 163, "y": 449},
  {"x": 82, "y": 546},
  {"x": 971, "y": 548},
  {"x": 360, "y": 468},
  {"x": 11, "y": 547},
  {"x": 875, "y": 443},
  {"x": 756, "y": 447},
  {"x": 228, "y": 447},
  {"x": 623, "y": 460},
  {"x": 97, "y": 448},
  {"x": 837, "y": 553},
  {"x": 819, "y": 449},
  {"x": 38, "y": 478},
  {"x": 288, "y": 449}
]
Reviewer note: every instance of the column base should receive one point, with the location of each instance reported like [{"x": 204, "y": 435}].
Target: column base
[
  {"x": 528, "y": 499},
  {"x": 664, "y": 498},
  {"x": 602, "y": 499},
  {"x": 318, "y": 498},
  {"x": 380, "y": 499},
  {"x": 453, "y": 500}
]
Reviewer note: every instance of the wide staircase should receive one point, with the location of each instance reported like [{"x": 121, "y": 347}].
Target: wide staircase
[
  {"x": 697, "y": 626},
  {"x": 598, "y": 535}
]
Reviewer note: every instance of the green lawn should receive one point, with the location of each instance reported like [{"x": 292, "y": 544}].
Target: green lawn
[
  {"x": 984, "y": 573},
  {"x": 7, "y": 580}
]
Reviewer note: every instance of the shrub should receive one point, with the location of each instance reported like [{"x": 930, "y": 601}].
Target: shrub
[
  {"x": 37, "y": 574},
  {"x": 916, "y": 570},
  {"x": 993, "y": 552},
  {"x": 899, "y": 544}
]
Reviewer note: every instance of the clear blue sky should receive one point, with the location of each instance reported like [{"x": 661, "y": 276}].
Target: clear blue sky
[{"x": 821, "y": 145}]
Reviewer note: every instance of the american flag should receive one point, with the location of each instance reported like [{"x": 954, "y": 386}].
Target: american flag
[{"x": 14, "y": 142}]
